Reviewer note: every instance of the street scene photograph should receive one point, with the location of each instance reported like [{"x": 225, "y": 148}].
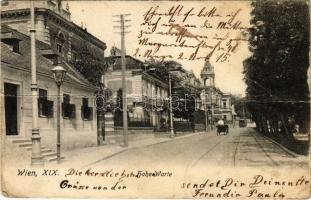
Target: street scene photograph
[{"x": 155, "y": 99}]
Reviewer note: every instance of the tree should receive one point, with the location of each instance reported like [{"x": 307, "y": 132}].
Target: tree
[
  {"x": 89, "y": 64},
  {"x": 276, "y": 73},
  {"x": 240, "y": 107},
  {"x": 184, "y": 96}
]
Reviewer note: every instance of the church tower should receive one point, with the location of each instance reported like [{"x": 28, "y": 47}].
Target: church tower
[{"x": 208, "y": 74}]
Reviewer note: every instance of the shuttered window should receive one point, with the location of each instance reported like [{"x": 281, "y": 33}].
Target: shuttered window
[{"x": 45, "y": 107}]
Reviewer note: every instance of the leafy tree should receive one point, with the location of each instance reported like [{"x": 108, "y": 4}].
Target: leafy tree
[
  {"x": 240, "y": 106},
  {"x": 276, "y": 73},
  {"x": 89, "y": 63}
]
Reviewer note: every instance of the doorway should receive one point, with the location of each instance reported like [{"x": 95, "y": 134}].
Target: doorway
[{"x": 10, "y": 101}]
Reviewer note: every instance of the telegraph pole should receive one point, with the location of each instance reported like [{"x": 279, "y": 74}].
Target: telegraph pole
[
  {"x": 205, "y": 111},
  {"x": 36, "y": 156},
  {"x": 212, "y": 109},
  {"x": 123, "y": 65}
]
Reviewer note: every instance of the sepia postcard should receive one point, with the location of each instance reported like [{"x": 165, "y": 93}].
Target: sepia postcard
[{"x": 155, "y": 99}]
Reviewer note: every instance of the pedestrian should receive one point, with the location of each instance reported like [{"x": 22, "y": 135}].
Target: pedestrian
[{"x": 220, "y": 122}]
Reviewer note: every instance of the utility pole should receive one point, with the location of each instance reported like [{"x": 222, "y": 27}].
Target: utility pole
[
  {"x": 100, "y": 113},
  {"x": 205, "y": 111},
  {"x": 36, "y": 156},
  {"x": 123, "y": 65},
  {"x": 212, "y": 109},
  {"x": 243, "y": 109}
]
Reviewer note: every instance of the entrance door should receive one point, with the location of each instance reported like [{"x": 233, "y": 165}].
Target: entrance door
[{"x": 10, "y": 100}]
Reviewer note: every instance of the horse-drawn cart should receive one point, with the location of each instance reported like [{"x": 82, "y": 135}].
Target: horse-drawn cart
[{"x": 222, "y": 129}]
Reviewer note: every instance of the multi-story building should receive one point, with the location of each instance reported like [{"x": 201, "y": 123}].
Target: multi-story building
[
  {"x": 216, "y": 102},
  {"x": 53, "y": 27},
  {"x": 58, "y": 40},
  {"x": 146, "y": 93},
  {"x": 184, "y": 82},
  {"x": 185, "y": 78}
]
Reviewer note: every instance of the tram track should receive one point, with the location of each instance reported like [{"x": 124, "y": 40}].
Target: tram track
[
  {"x": 206, "y": 153},
  {"x": 264, "y": 151},
  {"x": 243, "y": 147},
  {"x": 236, "y": 151}
]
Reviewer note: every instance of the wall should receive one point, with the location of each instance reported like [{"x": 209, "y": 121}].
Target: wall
[{"x": 74, "y": 133}]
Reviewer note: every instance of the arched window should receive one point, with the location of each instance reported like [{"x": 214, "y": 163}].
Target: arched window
[{"x": 60, "y": 41}]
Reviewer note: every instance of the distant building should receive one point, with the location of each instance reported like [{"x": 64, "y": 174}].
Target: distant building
[
  {"x": 217, "y": 102},
  {"x": 146, "y": 93},
  {"x": 186, "y": 78},
  {"x": 185, "y": 81}
]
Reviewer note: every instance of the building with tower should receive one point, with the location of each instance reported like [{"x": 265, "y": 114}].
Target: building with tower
[
  {"x": 217, "y": 103},
  {"x": 208, "y": 75}
]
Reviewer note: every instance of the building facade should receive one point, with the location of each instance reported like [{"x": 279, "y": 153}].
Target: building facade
[
  {"x": 146, "y": 94},
  {"x": 78, "y": 121},
  {"x": 217, "y": 103},
  {"x": 53, "y": 27},
  {"x": 59, "y": 41}
]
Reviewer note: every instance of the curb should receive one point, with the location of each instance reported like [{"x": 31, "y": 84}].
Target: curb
[
  {"x": 136, "y": 147},
  {"x": 171, "y": 139},
  {"x": 293, "y": 154}
]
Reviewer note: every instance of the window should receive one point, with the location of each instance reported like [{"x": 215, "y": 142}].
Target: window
[
  {"x": 15, "y": 47},
  {"x": 66, "y": 99},
  {"x": 68, "y": 110},
  {"x": 12, "y": 42},
  {"x": 45, "y": 107},
  {"x": 225, "y": 103},
  {"x": 85, "y": 102},
  {"x": 60, "y": 43},
  {"x": 43, "y": 94},
  {"x": 59, "y": 48},
  {"x": 86, "y": 111}
]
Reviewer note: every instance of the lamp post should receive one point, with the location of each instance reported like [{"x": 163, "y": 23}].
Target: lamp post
[
  {"x": 171, "y": 106},
  {"x": 205, "y": 111},
  {"x": 59, "y": 74},
  {"x": 36, "y": 156},
  {"x": 100, "y": 113},
  {"x": 212, "y": 109}
]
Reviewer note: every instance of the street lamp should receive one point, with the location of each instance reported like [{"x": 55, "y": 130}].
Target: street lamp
[
  {"x": 171, "y": 109},
  {"x": 212, "y": 108},
  {"x": 100, "y": 113},
  {"x": 59, "y": 74},
  {"x": 205, "y": 110}
]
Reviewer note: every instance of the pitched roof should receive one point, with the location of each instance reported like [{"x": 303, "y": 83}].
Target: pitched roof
[
  {"x": 22, "y": 60},
  {"x": 131, "y": 63}
]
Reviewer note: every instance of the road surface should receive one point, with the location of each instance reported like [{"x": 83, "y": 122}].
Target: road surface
[{"x": 243, "y": 147}]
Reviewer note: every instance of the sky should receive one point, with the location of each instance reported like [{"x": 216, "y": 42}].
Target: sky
[{"x": 97, "y": 17}]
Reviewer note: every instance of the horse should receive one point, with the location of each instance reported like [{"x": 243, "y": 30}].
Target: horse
[{"x": 222, "y": 128}]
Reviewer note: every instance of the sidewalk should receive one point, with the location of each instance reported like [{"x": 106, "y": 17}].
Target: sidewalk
[{"x": 87, "y": 156}]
